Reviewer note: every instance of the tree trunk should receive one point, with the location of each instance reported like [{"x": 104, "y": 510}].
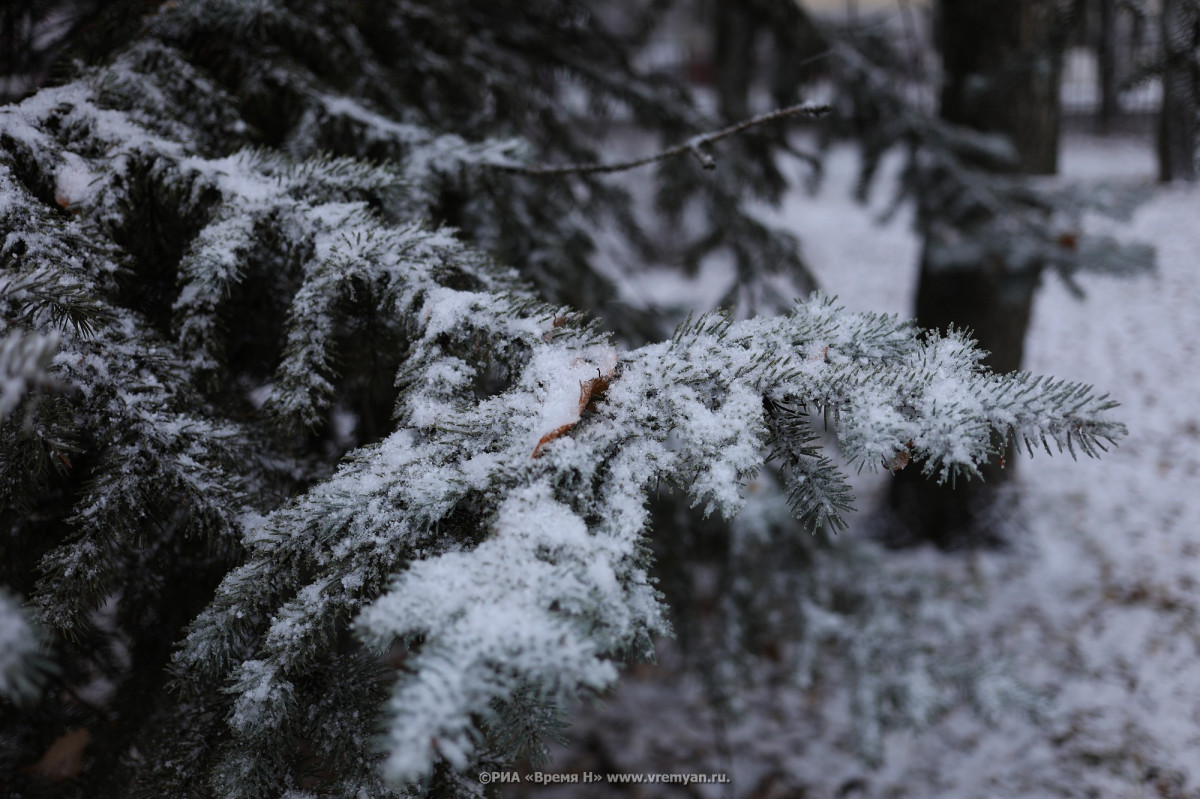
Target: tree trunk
[
  {"x": 733, "y": 50},
  {"x": 995, "y": 304},
  {"x": 1106, "y": 57},
  {"x": 1002, "y": 65},
  {"x": 1177, "y": 121}
]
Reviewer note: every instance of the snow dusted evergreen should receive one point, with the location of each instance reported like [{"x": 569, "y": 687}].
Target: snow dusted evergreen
[
  {"x": 972, "y": 207},
  {"x": 265, "y": 236},
  {"x": 24, "y": 359}
]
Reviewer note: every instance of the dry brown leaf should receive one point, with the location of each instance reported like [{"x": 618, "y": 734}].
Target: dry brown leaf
[
  {"x": 64, "y": 758},
  {"x": 900, "y": 459},
  {"x": 589, "y": 392},
  {"x": 553, "y": 434}
]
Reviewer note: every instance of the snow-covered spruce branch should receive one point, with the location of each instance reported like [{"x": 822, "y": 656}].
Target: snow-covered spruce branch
[
  {"x": 558, "y": 587},
  {"x": 692, "y": 146},
  {"x": 126, "y": 382}
]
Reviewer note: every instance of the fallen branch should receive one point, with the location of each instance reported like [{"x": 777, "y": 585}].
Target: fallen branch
[{"x": 691, "y": 146}]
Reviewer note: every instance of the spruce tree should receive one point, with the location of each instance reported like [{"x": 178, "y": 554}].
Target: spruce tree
[{"x": 311, "y": 482}]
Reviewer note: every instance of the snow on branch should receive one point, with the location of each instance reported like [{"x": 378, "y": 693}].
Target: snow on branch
[{"x": 688, "y": 412}]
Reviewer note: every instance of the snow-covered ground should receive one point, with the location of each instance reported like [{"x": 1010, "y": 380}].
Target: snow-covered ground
[{"x": 1097, "y": 609}]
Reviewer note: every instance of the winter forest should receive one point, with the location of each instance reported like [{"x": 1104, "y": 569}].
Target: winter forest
[{"x": 729, "y": 399}]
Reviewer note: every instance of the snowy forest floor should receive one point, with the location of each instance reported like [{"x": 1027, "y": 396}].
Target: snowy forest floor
[{"x": 1097, "y": 608}]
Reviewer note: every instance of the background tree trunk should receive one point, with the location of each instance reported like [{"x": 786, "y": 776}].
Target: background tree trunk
[
  {"x": 733, "y": 51},
  {"x": 1106, "y": 57},
  {"x": 1178, "y": 120},
  {"x": 1002, "y": 63}
]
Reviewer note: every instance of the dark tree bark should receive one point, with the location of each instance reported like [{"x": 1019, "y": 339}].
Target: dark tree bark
[
  {"x": 1002, "y": 62},
  {"x": 735, "y": 32},
  {"x": 1178, "y": 126},
  {"x": 1106, "y": 57}
]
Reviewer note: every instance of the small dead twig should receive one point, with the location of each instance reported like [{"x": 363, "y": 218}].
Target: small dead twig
[{"x": 691, "y": 146}]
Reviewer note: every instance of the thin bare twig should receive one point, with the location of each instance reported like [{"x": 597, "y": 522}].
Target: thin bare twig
[{"x": 691, "y": 146}]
